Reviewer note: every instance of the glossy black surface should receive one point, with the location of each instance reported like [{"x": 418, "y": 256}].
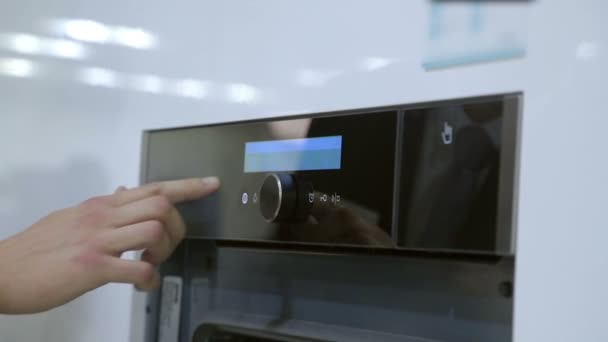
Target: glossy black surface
[
  {"x": 278, "y": 197},
  {"x": 267, "y": 292},
  {"x": 450, "y": 176},
  {"x": 439, "y": 176},
  {"x": 352, "y": 205}
]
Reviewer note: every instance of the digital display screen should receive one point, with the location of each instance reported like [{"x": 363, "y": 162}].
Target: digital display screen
[{"x": 309, "y": 154}]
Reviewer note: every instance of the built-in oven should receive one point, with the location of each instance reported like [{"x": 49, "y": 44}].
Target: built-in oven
[{"x": 392, "y": 223}]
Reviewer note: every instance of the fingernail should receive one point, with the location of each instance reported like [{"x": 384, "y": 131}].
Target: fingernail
[{"x": 211, "y": 181}]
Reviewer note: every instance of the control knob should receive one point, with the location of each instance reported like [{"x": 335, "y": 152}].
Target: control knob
[{"x": 285, "y": 198}]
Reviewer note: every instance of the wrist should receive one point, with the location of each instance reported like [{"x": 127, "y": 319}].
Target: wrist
[
  {"x": 4, "y": 278},
  {"x": 3, "y": 285}
]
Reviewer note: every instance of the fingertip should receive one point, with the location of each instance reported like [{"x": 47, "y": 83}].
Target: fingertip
[
  {"x": 151, "y": 286},
  {"x": 211, "y": 183},
  {"x": 155, "y": 284},
  {"x": 151, "y": 279},
  {"x": 209, "y": 186}
]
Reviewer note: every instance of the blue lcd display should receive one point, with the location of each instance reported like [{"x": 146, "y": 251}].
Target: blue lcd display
[{"x": 307, "y": 154}]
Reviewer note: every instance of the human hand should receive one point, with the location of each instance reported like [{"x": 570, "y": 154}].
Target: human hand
[{"x": 76, "y": 250}]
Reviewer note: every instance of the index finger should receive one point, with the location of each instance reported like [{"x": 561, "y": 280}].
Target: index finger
[{"x": 175, "y": 191}]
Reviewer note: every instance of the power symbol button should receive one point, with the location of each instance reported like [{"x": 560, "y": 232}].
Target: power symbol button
[{"x": 311, "y": 197}]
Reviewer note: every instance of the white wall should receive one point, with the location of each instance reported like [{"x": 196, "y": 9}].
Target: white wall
[{"x": 62, "y": 140}]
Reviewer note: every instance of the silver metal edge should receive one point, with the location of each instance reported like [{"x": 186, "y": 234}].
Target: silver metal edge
[
  {"x": 142, "y": 325},
  {"x": 506, "y": 220},
  {"x": 395, "y": 231},
  {"x": 280, "y": 185}
]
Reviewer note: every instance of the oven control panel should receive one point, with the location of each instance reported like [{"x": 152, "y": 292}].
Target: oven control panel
[{"x": 436, "y": 176}]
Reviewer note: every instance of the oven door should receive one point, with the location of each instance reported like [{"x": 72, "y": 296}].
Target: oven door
[{"x": 226, "y": 333}]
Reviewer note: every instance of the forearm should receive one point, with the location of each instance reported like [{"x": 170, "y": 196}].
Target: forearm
[
  {"x": 4, "y": 276},
  {"x": 11, "y": 250}
]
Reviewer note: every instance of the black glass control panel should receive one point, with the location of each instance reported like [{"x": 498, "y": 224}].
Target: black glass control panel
[
  {"x": 303, "y": 180},
  {"x": 433, "y": 176},
  {"x": 451, "y": 157}
]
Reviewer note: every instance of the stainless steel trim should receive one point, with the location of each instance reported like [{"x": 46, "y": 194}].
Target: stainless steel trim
[
  {"x": 280, "y": 186},
  {"x": 143, "y": 324},
  {"x": 347, "y": 112},
  {"x": 143, "y": 172},
  {"x": 395, "y": 236},
  {"x": 506, "y": 220}
]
